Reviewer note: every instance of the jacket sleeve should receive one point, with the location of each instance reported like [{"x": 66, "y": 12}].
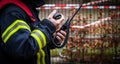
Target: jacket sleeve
[
  {"x": 50, "y": 44},
  {"x": 19, "y": 41}
]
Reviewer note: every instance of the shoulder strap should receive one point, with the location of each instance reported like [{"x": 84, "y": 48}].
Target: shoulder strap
[{"x": 19, "y": 4}]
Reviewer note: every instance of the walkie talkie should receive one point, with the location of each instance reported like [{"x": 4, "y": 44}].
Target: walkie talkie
[
  {"x": 64, "y": 27},
  {"x": 58, "y": 16}
]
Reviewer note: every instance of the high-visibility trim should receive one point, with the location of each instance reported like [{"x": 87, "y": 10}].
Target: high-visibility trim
[
  {"x": 41, "y": 40},
  {"x": 37, "y": 39},
  {"x": 41, "y": 57},
  {"x": 18, "y": 24},
  {"x": 43, "y": 36},
  {"x": 13, "y": 28},
  {"x": 38, "y": 58},
  {"x": 40, "y": 37}
]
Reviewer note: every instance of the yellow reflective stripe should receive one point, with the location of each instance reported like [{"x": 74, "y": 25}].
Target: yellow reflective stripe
[
  {"x": 38, "y": 58},
  {"x": 43, "y": 56},
  {"x": 37, "y": 34},
  {"x": 41, "y": 50},
  {"x": 9, "y": 27},
  {"x": 41, "y": 53},
  {"x": 37, "y": 39},
  {"x": 42, "y": 35},
  {"x": 14, "y": 31},
  {"x": 13, "y": 28}
]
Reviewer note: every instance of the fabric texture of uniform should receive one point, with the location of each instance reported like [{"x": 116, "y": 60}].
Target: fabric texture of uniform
[{"x": 23, "y": 41}]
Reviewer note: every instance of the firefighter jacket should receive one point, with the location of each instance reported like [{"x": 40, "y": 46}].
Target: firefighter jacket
[{"x": 23, "y": 41}]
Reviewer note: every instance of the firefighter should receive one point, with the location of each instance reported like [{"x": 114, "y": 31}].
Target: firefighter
[{"x": 24, "y": 39}]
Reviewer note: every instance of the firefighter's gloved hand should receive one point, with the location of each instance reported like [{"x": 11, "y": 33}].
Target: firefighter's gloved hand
[{"x": 54, "y": 21}]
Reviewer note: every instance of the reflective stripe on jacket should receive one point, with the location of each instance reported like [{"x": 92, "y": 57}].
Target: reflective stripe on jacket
[{"x": 23, "y": 42}]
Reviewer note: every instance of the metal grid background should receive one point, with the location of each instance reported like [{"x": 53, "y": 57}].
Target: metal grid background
[{"x": 98, "y": 43}]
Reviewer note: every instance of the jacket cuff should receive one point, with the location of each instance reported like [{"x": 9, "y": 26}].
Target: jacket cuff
[{"x": 49, "y": 24}]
